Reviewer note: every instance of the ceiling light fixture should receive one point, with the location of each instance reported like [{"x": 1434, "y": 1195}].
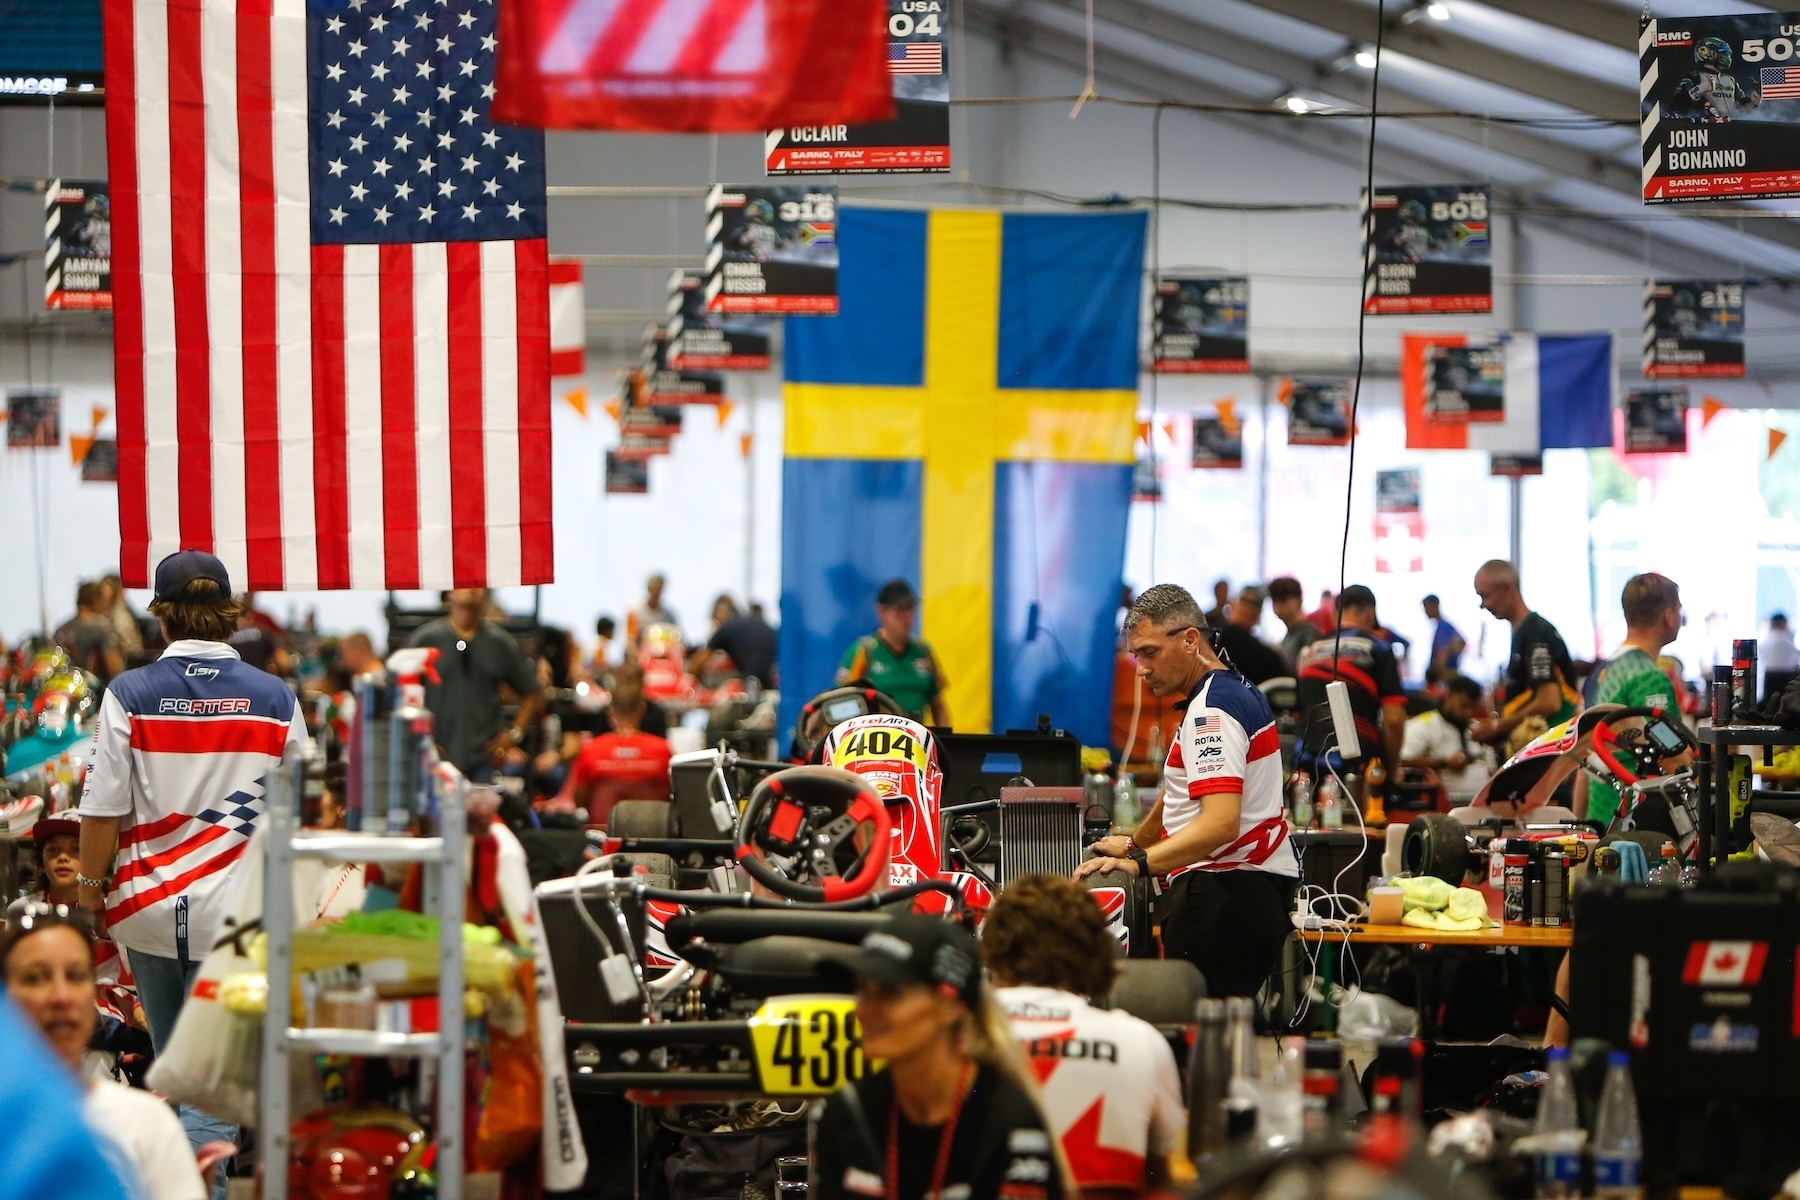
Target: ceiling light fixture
[
  {"x": 1438, "y": 12},
  {"x": 1295, "y": 104},
  {"x": 1364, "y": 58}
]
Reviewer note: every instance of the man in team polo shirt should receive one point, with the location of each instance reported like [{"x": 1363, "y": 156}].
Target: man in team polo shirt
[
  {"x": 1218, "y": 837},
  {"x": 175, "y": 781}
]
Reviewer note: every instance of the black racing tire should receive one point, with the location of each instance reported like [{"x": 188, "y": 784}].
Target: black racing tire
[
  {"x": 1161, "y": 991},
  {"x": 638, "y": 818},
  {"x": 1437, "y": 845}
]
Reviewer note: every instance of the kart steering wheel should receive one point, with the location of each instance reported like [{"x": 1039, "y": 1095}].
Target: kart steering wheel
[
  {"x": 1606, "y": 746},
  {"x": 790, "y": 816}
]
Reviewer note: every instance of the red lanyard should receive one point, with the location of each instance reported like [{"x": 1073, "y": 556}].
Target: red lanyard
[{"x": 945, "y": 1138}]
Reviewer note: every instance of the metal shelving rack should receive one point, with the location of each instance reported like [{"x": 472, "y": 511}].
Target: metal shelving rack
[
  {"x": 443, "y": 897},
  {"x": 1715, "y": 778}
]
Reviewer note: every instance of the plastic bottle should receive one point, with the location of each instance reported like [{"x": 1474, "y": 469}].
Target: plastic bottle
[
  {"x": 1331, "y": 805},
  {"x": 1280, "y": 1118},
  {"x": 1155, "y": 746},
  {"x": 1125, "y": 801},
  {"x": 1690, "y": 875},
  {"x": 1303, "y": 800},
  {"x": 1667, "y": 871},
  {"x": 1558, "y": 1133},
  {"x": 1375, "y": 801},
  {"x": 1618, "y": 1146},
  {"x": 1319, "y": 1087}
]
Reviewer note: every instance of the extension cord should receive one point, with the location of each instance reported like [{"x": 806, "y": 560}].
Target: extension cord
[{"x": 1343, "y": 721}]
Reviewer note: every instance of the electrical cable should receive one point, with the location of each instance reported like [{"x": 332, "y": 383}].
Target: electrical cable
[{"x": 1155, "y": 282}]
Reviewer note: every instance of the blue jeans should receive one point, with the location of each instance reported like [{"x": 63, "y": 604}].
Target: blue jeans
[{"x": 163, "y": 984}]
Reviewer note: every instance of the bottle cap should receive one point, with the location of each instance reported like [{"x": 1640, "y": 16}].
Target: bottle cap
[
  {"x": 1323, "y": 1056},
  {"x": 1618, "y": 1058},
  {"x": 1558, "y": 1054}
]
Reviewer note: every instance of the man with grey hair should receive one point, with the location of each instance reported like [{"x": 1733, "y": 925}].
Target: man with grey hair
[
  {"x": 1539, "y": 674},
  {"x": 1218, "y": 837}
]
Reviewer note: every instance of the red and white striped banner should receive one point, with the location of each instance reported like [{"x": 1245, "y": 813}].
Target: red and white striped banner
[{"x": 318, "y": 415}]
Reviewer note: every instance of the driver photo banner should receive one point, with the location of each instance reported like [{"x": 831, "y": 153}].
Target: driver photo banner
[
  {"x": 1427, "y": 250},
  {"x": 1656, "y": 420},
  {"x": 77, "y": 245},
  {"x": 916, "y": 141},
  {"x": 704, "y": 341},
  {"x": 1318, "y": 411},
  {"x": 771, "y": 249},
  {"x": 1201, "y": 325},
  {"x": 1694, "y": 329},
  {"x": 1720, "y": 110}
]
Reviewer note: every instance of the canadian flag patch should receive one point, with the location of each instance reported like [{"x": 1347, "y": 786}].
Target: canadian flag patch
[{"x": 1725, "y": 964}]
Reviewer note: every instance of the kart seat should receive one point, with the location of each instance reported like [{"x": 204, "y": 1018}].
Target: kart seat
[
  {"x": 776, "y": 966},
  {"x": 731, "y": 926}
]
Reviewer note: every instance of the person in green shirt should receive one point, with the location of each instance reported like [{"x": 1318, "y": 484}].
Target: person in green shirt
[
  {"x": 1631, "y": 675},
  {"x": 893, "y": 661}
]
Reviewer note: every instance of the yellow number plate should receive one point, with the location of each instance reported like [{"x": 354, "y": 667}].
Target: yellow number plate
[
  {"x": 807, "y": 1045},
  {"x": 880, "y": 742}
]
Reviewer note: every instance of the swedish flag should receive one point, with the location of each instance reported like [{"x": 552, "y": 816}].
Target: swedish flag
[{"x": 966, "y": 422}]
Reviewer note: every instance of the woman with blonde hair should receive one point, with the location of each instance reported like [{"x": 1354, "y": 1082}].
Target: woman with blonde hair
[{"x": 954, "y": 1111}]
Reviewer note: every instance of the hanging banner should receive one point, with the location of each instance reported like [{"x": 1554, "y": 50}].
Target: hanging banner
[
  {"x": 704, "y": 341},
  {"x": 916, "y": 141},
  {"x": 661, "y": 384},
  {"x": 1219, "y": 440},
  {"x": 1399, "y": 522},
  {"x": 1201, "y": 324},
  {"x": 1694, "y": 329},
  {"x": 1146, "y": 480},
  {"x": 772, "y": 249},
  {"x": 77, "y": 245},
  {"x": 101, "y": 463},
  {"x": 1426, "y": 250},
  {"x": 674, "y": 66},
  {"x": 1721, "y": 106},
  {"x": 1466, "y": 384},
  {"x": 568, "y": 318},
  {"x": 33, "y": 418},
  {"x": 627, "y": 476},
  {"x": 1656, "y": 420},
  {"x": 1515, "y": 466},
  {"x": 1318, "y": 412}
]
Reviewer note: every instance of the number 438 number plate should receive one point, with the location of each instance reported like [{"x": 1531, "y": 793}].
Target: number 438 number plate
[{"x": 807, "y": 1045}]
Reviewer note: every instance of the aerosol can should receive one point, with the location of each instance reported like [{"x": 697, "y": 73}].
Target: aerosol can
[{"x": 411, "y": 752}]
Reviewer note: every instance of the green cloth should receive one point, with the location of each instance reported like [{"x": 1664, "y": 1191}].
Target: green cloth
[
  {"x": 911, "y": 677},
  {"x": 1634, "y": 679}
]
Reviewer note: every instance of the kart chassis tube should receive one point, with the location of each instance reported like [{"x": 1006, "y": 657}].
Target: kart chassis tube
[
  {"x": 749, "y": 900},
  {"x": 614, "y": 1039}
]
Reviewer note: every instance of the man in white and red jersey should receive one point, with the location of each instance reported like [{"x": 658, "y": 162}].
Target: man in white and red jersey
[
  {"x": 1218, "y": 837},
  {"x": 175, "y": 785},
  {"x": 1111, "y": 1090}
]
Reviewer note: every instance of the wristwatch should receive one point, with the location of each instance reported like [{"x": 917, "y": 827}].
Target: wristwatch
[{"x": 1142, "y": 858}]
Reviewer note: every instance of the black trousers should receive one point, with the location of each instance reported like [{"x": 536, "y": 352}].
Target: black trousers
[{"x": 1230, "y": 924}]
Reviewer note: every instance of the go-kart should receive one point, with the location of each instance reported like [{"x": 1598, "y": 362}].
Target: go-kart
[
  {"x": 1646, "y": 753},
  {"x": 736, "y": 988}
]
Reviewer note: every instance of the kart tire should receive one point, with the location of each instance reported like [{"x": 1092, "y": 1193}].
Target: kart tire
[
  {"x": 1161, "y": 991},
  {"x": 1138, "y": 940},
  {"x": 638, "y": 818},
  {"x": 657, "y": 866},
  {"x": 1437, "y": 845}
]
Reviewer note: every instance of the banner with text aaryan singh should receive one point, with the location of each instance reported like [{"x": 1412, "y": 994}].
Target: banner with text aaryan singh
[{"x": 1720, "y": 106}]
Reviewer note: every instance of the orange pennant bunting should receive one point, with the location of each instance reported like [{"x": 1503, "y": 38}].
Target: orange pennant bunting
[
  {"x": 1143, "y": 432},
  {"x": 1776, "y": 437},
  {"x": 726, "y": 408},
  {"x": 745, "y": 441},
  {"x": 79, "y": 446},
  {"x": 1710, "y": 407},
  {"x": 1167, "y": 424},
  {"x": 99, "y": 412},
  {"x": 1228, "y": 415},
  {"x": 577, "y": 398},
  {"x": 613, "y": 408}
]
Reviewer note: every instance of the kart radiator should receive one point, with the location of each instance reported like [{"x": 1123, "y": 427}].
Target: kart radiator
[{"x": 1040, "y": 830}]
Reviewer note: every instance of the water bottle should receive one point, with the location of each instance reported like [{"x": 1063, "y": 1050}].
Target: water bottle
[
  {"x": 1618, "y": 1147},
  {"x": 1667, "y": 871},
  {"x": 1690, "y": 875},
  {"x": 1558, "y": 1133},
  {"x": 1303, "y": 800},
  {"x": 1331, "y": 806},
  {"x": 1281, "y": 1121},
  {"x": 1125, "y": 801}
]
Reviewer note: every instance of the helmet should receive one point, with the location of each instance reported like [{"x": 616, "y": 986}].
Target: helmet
[
  {"x": 1413, "y": 212},
  {"x": 895, "y": 755},
  {"x": 762, "y": 210},
  {"x": 1713, "y": 52}
]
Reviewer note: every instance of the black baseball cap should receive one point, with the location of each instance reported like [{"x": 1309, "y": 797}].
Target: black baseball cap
[
  {"x": 181, "y": 568},
  {"x": 915, "y": 948},
  {"x": 897, "y": 593}
]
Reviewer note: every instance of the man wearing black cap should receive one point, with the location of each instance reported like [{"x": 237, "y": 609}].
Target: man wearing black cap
[
  {"x": 182, "y": 751},
  {"x": 952, "y": 1113},
  {"x": 1359, "y": 657},
  {"x": 895, "y": 662}
]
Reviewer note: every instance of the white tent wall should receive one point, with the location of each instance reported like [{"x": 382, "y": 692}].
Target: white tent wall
[{"x": 695, "y": 524}]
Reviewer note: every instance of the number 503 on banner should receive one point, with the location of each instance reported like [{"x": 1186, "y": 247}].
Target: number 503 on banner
[{"x": 807, "y": 1045}]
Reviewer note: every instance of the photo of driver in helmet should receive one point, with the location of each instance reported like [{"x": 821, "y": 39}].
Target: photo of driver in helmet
[
  {"x": 1709, "y": 92},
  {"x": 758, "y": 236}
]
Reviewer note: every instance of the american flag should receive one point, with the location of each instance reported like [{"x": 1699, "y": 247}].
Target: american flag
[
  {"x": 1207, "y": 724},
  {"x": 1780, "y": 83},
  {"x": 332, "y": 325},
  {"x": 915, "y": 58}
]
